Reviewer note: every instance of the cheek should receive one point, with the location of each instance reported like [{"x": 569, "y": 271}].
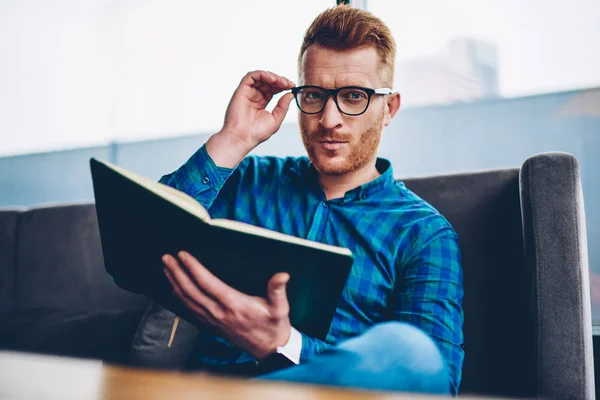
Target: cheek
[
  {"x": 357, "y": 126},
  {"x": 302, "y": 119},
  {"x": 308, "y": 123},
  {"x": 373, "y": 117}
]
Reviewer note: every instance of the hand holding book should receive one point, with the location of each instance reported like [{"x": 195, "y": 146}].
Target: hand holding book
[
  {"x": 256, "y": 325},
  {"x": 141, "y": 220}
]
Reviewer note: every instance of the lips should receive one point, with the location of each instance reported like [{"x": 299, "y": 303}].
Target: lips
[{"x": 332, "y": 145}]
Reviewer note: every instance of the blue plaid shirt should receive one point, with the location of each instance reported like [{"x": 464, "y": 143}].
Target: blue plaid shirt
[{"x": 407, "y": 263}]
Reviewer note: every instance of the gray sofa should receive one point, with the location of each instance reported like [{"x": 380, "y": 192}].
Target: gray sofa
[{"x": 527, "y": 303}]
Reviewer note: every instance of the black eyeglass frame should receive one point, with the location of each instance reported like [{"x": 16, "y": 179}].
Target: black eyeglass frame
[{"x": 334, "y": 93}]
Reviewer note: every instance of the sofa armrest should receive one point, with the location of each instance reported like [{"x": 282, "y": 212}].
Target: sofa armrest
[{"x": 555, "y": 247}]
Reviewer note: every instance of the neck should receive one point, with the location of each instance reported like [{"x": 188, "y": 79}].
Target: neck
[{"x": 336, "y": 186}]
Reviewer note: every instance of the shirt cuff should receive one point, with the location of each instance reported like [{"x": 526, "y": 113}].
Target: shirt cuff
[
  {"x": 200, "y": 174},
  {"x": 292, "y": 349}
]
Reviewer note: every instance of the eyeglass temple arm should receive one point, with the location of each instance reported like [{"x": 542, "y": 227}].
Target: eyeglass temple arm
[{"x": 383, "y": 91}]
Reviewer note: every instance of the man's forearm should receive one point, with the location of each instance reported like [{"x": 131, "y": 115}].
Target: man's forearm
[{"x": 226, "y": 150}]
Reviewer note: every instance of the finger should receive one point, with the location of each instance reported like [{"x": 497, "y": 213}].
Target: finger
[
  {"x": 281, "y": 81},
  {"x": 277, "y": 295},
  {"x": 186, "y": 289},
  {"x": 201, "y": 313},
  {"x": 266, "y": 90},
  {"x": 255, "y": 78},
  {"x": 276, "y": 82},
  {"x": 207, "y": 282},
  {"x": 282, "y": 108},
  {"x": 290, "y": 84},
  {"x": 269, "y": 90}
]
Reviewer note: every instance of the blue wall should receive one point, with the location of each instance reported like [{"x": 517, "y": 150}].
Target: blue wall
[{"x": 48, "y": 177}]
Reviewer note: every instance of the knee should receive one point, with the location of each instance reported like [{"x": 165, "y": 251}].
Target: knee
[
  {"x": 399, "y": 356},
  {"x": 397, "y": 342}
]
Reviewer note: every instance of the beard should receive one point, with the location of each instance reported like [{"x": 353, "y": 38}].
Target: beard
[{"x": 358, "y": 151}]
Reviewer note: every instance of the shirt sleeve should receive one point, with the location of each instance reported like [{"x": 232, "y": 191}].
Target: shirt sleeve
[
  {"x": 199, "y": 177},
  {"x": 312, "y": 346},
  {"x": 429, "y": 296}
]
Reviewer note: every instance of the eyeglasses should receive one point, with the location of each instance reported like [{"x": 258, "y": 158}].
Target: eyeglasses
[{"x": 350, "y": 100}]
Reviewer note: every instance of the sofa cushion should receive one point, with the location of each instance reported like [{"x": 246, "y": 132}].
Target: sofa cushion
[
  {"x": 8, "y": 248},
  {"x": 149, "y": 348},
  {"x": 105, "y": 335},
  {"x": 484, "y": 210},
  {"x": 64, "y": 301}
]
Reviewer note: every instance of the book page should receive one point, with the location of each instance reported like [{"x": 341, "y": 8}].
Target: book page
[
  {"x": 175, "y": 196},
  {"x": 255, "y": 230}
]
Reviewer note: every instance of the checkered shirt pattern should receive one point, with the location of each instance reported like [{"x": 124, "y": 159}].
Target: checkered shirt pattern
[{"x": 407, "y": 262}]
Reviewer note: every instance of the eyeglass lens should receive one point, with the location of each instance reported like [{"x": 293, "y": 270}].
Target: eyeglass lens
[{"x": 350, "y": 100}]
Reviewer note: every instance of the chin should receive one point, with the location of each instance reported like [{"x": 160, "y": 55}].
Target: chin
[{"x": 336, "y": 165}]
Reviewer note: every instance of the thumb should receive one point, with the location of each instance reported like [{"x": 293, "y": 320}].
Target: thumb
[
  {"x": 276, "y": 292},
  {"x": 282, "y": 108}
]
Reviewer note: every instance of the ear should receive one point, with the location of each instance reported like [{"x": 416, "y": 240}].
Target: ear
[{"x": 392, "y": 106}]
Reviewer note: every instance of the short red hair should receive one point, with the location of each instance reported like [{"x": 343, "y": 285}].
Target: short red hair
[{"x": 345, "y": 28}]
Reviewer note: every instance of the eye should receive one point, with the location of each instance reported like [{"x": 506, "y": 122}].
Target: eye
[
  {"x": 313, "y": 95},
  {"x": 354, "y": 95}
]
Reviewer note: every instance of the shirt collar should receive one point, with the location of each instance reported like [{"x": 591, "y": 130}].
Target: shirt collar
[{"x": 383, "y": 182}]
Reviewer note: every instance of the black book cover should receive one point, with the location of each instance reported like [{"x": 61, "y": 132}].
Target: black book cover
[{"x": 137, "y": 226}]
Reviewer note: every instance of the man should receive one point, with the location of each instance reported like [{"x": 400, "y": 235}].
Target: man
[{"x": 399, "y": 322}]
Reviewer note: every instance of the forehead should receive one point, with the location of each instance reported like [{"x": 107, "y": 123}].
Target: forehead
[{"x": 334, "y": 68}]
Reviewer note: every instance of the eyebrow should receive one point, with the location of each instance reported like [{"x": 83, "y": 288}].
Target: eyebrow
[
  {"x": 341, "y": 82},
  {"x": 344, "y": 84}
]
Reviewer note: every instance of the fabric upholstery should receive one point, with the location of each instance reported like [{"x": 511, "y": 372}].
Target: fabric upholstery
[
  {"x": 527, "y": 303},
  {"x": 556, "y": 257},
  {"x": 8, "y": 240},
  {"x": 149, "y": 348},
  {"x": 64, "y": 301},
  {"x": 59, "y": 249},
  {"x": 484, "y": 210}
]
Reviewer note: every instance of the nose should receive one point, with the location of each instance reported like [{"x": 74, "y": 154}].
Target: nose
[{"x": 331, "y": 117}]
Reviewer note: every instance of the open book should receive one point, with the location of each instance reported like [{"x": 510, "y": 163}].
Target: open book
[{"x": 140, "y": 220}]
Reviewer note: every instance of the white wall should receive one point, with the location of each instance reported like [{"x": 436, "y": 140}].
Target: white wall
[{"x": 81, "y": 72}]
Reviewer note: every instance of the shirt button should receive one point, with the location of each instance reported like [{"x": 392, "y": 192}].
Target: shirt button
[
  {"x": 363, "y": 196},
  {"x": 205, "y": 180}
]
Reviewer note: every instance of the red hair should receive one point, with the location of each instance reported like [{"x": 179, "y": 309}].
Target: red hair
[{"x": 345, "y": 28}]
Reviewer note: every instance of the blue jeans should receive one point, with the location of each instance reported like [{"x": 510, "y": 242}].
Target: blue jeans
[{"x": 391, "y": 356}]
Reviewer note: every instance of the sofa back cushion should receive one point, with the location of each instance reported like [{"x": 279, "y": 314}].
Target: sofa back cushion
[
  {"x": 64, "y": 302},
  {"x": 484, "y": 209},
  {"x": 8, "y": 239},
  {"x": 8, "y": 242}
]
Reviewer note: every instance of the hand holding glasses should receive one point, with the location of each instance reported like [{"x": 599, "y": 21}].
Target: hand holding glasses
[{"x": 248, "y": 123}]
